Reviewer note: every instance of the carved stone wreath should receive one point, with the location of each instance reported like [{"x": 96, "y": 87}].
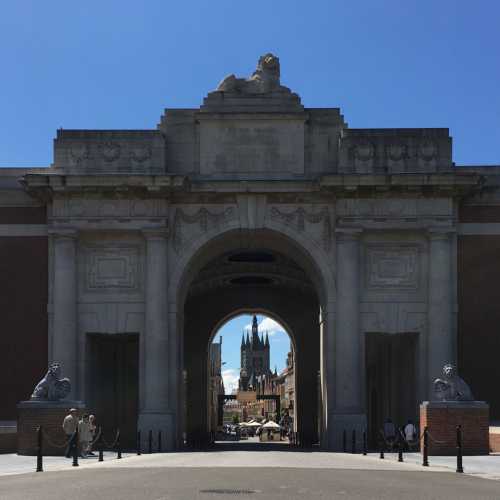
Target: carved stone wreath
[
  {"x": 427, "y": 150},
  {"x": 110, "y": 151},
  {"x": 79, "y": 153},
  {"x": 397, "y": 151},
  {"x": 364, "y": 151},
  {"x": 140, "y": 153}
]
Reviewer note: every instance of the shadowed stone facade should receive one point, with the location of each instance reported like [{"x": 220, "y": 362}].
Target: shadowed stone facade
[{"x": 373, "y": 249}]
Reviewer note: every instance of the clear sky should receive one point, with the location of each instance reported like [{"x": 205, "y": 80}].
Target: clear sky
[
  {"x": 118, "y": 63},
  {"x": 231, "y": 341}
]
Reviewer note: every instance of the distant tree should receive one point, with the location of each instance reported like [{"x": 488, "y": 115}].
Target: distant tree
[{"x": 236, "y": 420}]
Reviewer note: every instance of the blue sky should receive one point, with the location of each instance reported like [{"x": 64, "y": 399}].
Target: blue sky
[
  {"x": 231, "y": 342},
  {"x": 118, "y": 64}
]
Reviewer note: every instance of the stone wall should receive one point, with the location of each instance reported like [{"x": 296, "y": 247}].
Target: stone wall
[{"x": 23, "y": 301}]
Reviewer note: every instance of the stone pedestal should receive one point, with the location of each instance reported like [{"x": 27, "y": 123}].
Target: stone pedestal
[
  {"x": 50, "y": 416},
  {"x": 442, "y": 418}
]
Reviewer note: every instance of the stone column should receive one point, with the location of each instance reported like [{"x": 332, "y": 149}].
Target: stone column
[
  {"x": 155, "y": 414},
  {"x": 64, "y": 303},
  {"x": 441, "y": 341},
  {"x": 349, "y": 407}
]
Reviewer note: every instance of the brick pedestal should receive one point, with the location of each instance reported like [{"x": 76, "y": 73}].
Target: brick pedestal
[
  {"x": 50, "y": 416},
  {"x": 442, "y": 418}
]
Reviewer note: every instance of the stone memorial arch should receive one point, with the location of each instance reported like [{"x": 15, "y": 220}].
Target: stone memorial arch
[{"x": 252, "y": 202}]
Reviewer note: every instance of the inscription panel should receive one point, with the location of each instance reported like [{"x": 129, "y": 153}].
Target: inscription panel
[
  {"x": 256, "y": 146},
  {"x": 112, "y": 268},
  {"x": 392, "y": 267}
]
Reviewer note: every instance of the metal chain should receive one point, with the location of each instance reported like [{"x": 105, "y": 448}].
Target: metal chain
[
  {"x": 114, "y": 443},
  {"x": 55, "y": 445}
]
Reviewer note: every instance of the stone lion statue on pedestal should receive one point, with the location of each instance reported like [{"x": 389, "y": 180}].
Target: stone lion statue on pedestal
[
  {"x": 52, "y": 387},
  {"x": 266, "y": 78},
  {"x": 451, "y": 387}
]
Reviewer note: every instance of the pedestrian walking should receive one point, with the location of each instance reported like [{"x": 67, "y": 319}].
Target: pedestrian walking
[
  {"x": 70, "y": 424},
  {"x": 93, "y": 432},
  {"x": 410, "y": 433},
  {"x": 84, "y": 436}
]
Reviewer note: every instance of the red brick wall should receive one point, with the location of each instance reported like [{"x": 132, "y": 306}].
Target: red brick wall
[
  {"x": 23, "y": 313},
  {"x": 442, "y": 426},
  {"x": 479, "y": 308}
]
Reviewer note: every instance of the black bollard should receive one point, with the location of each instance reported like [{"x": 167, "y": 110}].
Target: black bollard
[
  {"x": 101, "y": 446},
  {"x": 353, "y": 441},
  {"x": 74, "y": 447},
  {"x": 118, "y": 445},
  {"x": 460, "y": 467},
  {"x": 425, "y": 461},
  {"x": 159, "y": 441},
  {"x": 400, "y": 449},
  {"x": 150, "y": 441},
  {"x": 138, "y": 442},
  {"x": 365, "y": 451},
  {"x": 382, "y": 447},
  {"x": 344, "y": 442},
  {"x": 39, "y": 450}
]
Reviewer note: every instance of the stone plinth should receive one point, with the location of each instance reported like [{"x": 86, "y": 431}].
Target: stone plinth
[
  {"x": 50, "y": 416},
  {"x": 442, "y": 418}
]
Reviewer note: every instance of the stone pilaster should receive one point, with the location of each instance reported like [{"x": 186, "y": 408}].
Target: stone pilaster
[
  {"x": 155, "y": 412},
  {"x": 441, "y": 342},
  {"x": 349, "y": 407},
  {"x": 64, "y": 332}
]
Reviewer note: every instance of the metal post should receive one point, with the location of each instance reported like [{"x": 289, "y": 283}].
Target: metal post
[
  {"x": 150, "y": 441},
  {"x": 400, "y": 448},
  {"x": 381, "y": 441},
  {"x": 344, "y": 441},
  {"x": 138, "y": 442},
  {"x": 364, "y": 443},
  {"x": 159, "y": 441},
  {"x": 101, "y": 446},
  {"x": 460, "y": 467},
  {"x": 39, "y": 450},
  {"x": 353, "y": 441},
  {"x": 74, "y": 447},
  {"x": 425, "y": 461},
  {"x": 118, "y": 445}
]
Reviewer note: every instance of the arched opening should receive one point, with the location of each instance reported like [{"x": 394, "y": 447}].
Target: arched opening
[
  {"x": 250, "y": 271},
  {"x": 251, "y": 381}
]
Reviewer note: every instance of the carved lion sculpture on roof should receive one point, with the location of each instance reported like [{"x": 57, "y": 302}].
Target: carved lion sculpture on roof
[
  {"x": 266, "y": 78},
  {"x": 52, "y": 387}
]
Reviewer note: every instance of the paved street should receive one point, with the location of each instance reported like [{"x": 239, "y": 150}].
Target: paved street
[
  {"x": 258, "y": 474},
  {"x": 161, "y": 483}
]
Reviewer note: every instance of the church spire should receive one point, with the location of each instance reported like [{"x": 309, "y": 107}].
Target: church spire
[
  {"x": 243, "y": 339},
  {"x": 255, "y": 333},
  {"x": 267, "y": 340}
]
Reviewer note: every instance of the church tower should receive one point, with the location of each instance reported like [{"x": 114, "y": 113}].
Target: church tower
[{"x": 255, "y": 357}]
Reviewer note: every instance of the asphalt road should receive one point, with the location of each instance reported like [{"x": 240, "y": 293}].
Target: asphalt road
[{"x": 240, "y": 483}]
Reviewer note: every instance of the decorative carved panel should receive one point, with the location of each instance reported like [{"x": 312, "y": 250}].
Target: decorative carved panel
[
  {"x": 299, "y": 217},
  {"x": 201, "y": 221},
  {"x": 392, "y": 267},
  {"x": 112, "y": 268}
]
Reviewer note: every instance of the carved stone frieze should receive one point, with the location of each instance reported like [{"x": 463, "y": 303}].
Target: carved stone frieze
[
  {"x": 112, "y": 268},
  {"x": 78, "y": 208},
  {"x": 394, "y": 207},
  {"x": 202, "y": 220},
  {"x": 298, "y": 218},
  {"x": 392, "y": 267}
]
